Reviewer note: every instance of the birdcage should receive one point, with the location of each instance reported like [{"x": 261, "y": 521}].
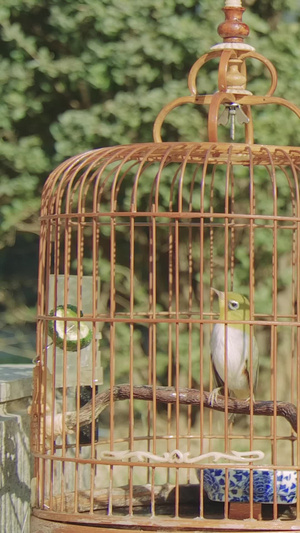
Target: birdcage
[{"x": 128, "y": 428}]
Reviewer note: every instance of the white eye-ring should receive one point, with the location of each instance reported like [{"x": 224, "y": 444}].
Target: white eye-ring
[{"x": 233, "y": 305}]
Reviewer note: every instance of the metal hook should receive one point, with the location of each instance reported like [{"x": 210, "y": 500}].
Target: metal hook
[{"x": 233, "y": 112}]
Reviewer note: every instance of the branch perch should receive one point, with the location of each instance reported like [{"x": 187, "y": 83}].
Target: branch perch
[{"x": 184, "y": 396}]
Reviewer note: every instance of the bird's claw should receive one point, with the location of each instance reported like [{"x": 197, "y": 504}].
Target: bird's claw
[{"x": 213, "y": 396}]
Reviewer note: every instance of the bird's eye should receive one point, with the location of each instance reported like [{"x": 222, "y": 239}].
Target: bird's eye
[{"x": 233, "y": 305}]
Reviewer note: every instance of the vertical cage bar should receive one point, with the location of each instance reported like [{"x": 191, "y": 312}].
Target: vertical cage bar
[
  {"x": 190, "y": 333},
  {"x": 78, "y": 361},
  {"x": 251, "y": 317},
  {"x": 177, "y": 365},
  {"x": 171, "y": 284},
  {"x": 154, "y": 334},
  {"x": 226, "y": 355},
  {"x": 95, "y": 338},
  {"x": 226, "y": 269},
  {"x": 211, "y": 280},
  {"x": 49, "y": 395},
  {"x": 201, "y": 332},
  {"x": 297, "y": 309},
  {"x": 131, "y": 358},
  {"x": 112, "y": 355}
]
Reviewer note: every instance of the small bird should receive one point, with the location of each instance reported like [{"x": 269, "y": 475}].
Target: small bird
[{"x": 237, "y": 350}]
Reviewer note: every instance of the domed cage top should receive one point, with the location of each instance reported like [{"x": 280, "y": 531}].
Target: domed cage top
[{"x": 126, "y": 431}]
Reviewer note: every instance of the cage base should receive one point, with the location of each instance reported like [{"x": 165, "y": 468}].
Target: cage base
[
  {"x": 43, "y": 521},
  {"x": 132, "y": 510}
]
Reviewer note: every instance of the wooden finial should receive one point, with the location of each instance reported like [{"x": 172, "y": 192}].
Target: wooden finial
[{"x": 233, "y": 29}]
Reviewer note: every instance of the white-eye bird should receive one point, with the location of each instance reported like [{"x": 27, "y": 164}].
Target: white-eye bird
[{"x": 237, "y": 348}]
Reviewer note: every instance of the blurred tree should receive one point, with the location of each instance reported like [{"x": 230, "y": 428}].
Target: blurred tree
[{"x": 76, "y": 75}]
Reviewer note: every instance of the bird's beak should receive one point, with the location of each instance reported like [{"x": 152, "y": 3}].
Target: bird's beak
[{"x": 220, "y": 294}]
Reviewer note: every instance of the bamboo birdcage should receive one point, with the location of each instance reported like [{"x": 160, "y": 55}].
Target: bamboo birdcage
[{"x": 132, "y": 240}]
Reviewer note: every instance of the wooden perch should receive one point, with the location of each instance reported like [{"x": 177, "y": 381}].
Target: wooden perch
[{"x": 185, "y": 396}]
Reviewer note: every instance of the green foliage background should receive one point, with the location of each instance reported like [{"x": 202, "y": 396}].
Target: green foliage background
[{"x": 77, "y": 75}]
